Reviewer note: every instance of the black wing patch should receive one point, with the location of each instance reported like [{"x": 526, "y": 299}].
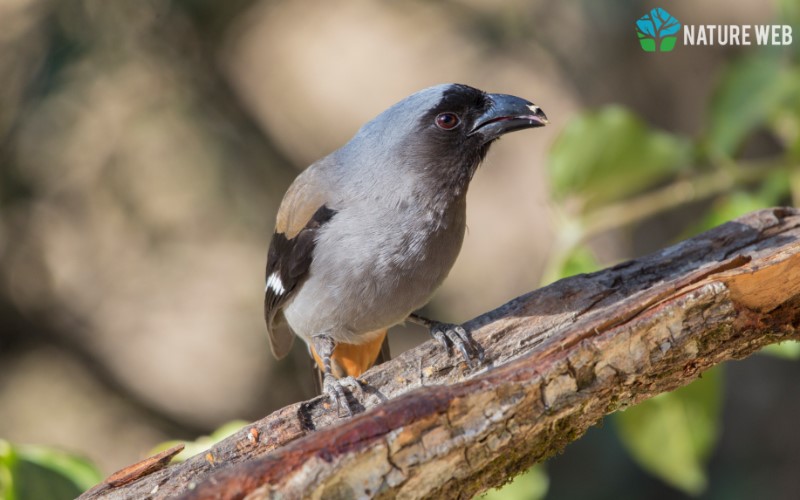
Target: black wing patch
[{"x": 288, "y": 262}]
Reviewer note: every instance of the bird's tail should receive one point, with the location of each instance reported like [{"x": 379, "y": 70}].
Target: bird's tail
[{"x": 353, "y": 359}]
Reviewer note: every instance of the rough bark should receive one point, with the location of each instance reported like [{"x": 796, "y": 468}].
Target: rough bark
[{"x": 557, "y": 360}]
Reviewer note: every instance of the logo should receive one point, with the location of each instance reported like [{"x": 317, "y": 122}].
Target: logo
[{"x": 656, "y": 31}]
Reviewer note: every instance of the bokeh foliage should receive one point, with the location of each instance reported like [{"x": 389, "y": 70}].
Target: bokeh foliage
[{"x": 40, "y": 472}]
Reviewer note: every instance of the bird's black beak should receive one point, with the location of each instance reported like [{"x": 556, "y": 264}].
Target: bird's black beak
[{"x": 507, "y": 114}]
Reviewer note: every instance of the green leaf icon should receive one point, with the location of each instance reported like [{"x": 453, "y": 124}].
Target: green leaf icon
[{"x": 667, "y": 44}]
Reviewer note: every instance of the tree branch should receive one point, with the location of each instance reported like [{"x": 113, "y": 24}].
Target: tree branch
[{"x": 557, "y": 360}]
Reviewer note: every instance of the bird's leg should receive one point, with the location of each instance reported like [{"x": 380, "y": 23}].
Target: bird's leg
[
  {"x": 452, "y": 335},
  {"x": 331, "y": 386}
]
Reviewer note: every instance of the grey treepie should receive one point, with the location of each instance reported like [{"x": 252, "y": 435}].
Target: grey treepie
[{"x": 365, "y": 235}]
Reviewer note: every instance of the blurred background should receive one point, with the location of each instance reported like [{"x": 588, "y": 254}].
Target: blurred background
[{"x": 145, "y": 146}]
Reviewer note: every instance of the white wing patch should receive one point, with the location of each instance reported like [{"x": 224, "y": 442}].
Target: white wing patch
[{"x": 274, "y": 282}]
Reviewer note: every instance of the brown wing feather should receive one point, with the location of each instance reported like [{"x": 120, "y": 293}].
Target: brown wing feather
[{"x": 301, "y": 201}]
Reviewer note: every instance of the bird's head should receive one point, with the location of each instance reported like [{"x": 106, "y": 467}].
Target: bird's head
[
  {"x": 442, "y": 132},
  {"x": 464, "y": 116}
]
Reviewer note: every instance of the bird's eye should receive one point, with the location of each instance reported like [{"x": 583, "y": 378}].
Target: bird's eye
[{"x": 447, "y": 121}]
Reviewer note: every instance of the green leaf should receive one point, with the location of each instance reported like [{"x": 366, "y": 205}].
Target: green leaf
[
  {"x": 773, "y": 189},
  {"x": 611, "y": 154},
  {"x": 202, "y": 443},
  {"x": 789, "y": 349},
  {"x": 668, "y": 43},
  {"x": 753, "y": 90},
  {"x": 648, "y": 44},
  {"x": 789, "y": 13},
  {"x": 531, "y": 485},
  {"x": 580, "y": 260},
  {"x": 8, "y": 463},
  {"x": 30, "y": 471},
  {"x": 672, "y": 435},
  {"x": 730, "y": 207}
]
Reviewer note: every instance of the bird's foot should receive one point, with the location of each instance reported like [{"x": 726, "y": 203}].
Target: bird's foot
[
  {"x": 450, "y": 335},
  {"x": 335, "y": 390}
]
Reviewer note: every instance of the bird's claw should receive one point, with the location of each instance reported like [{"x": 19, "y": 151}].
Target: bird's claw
[
  {"x": 335, "y": 390},
  {"x": 456, "y": 335}
]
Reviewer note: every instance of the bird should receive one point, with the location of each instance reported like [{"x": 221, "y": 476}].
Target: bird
[{"x": 364, "y": 236}]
